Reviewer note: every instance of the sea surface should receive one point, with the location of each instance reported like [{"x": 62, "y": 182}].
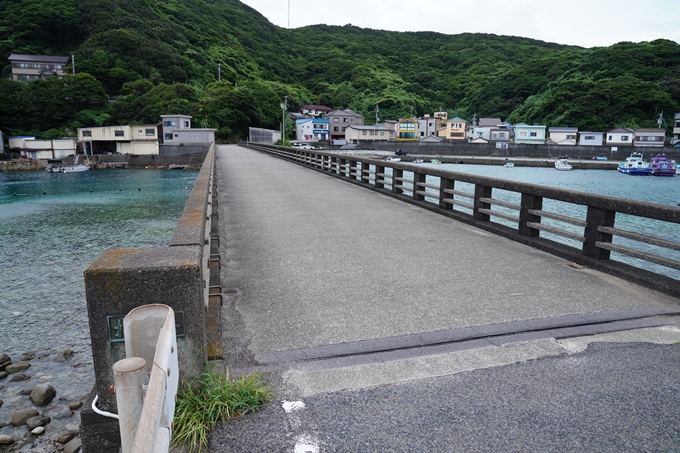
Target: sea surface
[
  {"x": 659, "y": 190},
  {"x": 53, "y": 225}
]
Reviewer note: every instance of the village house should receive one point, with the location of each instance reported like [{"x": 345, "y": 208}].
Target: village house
[
  {"x": 128, "y": 139},
  {"x": 620, "y": 136},
  {"x": 407, "y": 129},
  {"x": 311, "y": 129},
  {"x": 177, "y": 131},
  {"x": 36, "y": 67},
  {"x": 563, "y": 135},
  {"x": 314, "y": 110},
  {"x": 529, "y": 134},
  {"x": 428, "y": 126},
  {"x": 376, "y": 132},
  {"x": 591, "y": 138},
  {"x": 650, "y": 137},
  {"x": 455, "y": 129},
  {"x": 338, "y": 121},
  {"x": 676, "y": 130}
]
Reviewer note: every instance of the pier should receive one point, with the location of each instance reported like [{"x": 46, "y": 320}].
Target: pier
[{"x": 339, "y": 273}]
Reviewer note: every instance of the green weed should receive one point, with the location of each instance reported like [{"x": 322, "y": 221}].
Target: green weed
[{"x": 213, "y": 396}]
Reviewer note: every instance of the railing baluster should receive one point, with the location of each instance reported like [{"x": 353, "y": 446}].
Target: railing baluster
[
  {"x": 481, "y": 191},
  {"x": 529, "y": 202},
  {"x": 418, "y": 178},
  {"x": 595, "y": 218}
]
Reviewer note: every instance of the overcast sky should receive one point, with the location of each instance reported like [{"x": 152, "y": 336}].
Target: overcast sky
[{"x": 586, "y": 23}]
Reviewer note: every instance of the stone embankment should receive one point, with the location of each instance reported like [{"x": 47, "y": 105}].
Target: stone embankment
[
  {"x": 39, "y": 413},
  {"x": 23, "y": 165}
]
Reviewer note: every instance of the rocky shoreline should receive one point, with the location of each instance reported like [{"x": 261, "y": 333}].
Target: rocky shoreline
[{"x": 41, "y": 394}]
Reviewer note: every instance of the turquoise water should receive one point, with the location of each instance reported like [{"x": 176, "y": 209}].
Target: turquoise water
[{"x": 54, "y": 225}]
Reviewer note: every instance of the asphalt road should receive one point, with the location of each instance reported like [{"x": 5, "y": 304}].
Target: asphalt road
[{"x": 613, "y": 397}]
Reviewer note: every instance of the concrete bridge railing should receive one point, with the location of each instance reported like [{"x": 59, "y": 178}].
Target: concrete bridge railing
[
  {"x": 582, "y": 227},
  {"x": 183, "y": 276}
]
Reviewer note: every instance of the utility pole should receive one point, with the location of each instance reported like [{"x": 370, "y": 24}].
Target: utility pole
[
  {"x": 284, "y": 106},
  {"x": 219, "y": 72}
]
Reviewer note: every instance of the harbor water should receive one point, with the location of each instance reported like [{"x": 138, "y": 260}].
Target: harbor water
[{"x": 54, "y": 225}]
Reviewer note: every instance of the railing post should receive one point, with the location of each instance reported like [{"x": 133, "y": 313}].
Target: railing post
[
  {"x": 379, "y": 180},
  {"x": 365, "y": 173},
  {"x": 129, "y": 375},
  {"x": 594, "y": 218},
  {"x": 481, "y": 191},
  {"x": 418, "y": 178},
  {"x": 397, "y": 176},
  {"x": 352, "y": 165},
  {"x": 334, "y": 165},
  {"x": 445, "y": 184},
  {"x": 529, "y": 202}
]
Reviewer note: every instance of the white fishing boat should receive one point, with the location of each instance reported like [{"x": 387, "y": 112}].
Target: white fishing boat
[
  {"x": 74, "y": 168},
  {"x": 562, "y": 164},
  {"x": 509, "y": 165}
]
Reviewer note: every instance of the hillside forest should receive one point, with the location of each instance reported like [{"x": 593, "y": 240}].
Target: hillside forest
[{"x": 138, "y": 59}]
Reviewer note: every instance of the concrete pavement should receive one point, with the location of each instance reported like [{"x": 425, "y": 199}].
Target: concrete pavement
[{"x": 336, "y": 289}]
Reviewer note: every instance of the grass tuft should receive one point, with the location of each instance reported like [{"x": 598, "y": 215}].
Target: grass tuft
[{"x": 213, "y": 396}]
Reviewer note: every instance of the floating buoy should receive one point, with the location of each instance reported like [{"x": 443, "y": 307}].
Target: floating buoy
[
  {"x": 139, "y": 189},
  {"x": 90, "y": 191},
  {"x": 15, "y": 194},
  {"x": 186, "y": 188},
  {"x": 44, "y": 193},
  {"x": 120, "y": 190}
]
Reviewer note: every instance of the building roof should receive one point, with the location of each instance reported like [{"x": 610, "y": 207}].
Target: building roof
[
  {"x": 303, "y": 120},
  {"x": 563, "y": 129},
  {"x": 346, "y": 112},
  {"x": 376, "y": 127},
  {"x": 588, "y": 132},
  {"x": 39, "y": 58},
  {"x": 316, "y": 107},
  {"x": 176, "y": 116},
  {"x": 490, "y": 122},
  {"x": 621, "y": 129},
  {"x": 529, "y": 125},
  {"x": 650, "y": 130},
  {"x": 457, "y": 120}
]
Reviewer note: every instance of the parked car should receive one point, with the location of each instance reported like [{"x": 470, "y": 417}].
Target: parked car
[
  {"x": 303, "y": 146},
  {"x": 350, "y": 146},
  {"x": 401, "y": 153}
]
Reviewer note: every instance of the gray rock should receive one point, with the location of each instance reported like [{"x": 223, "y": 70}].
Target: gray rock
[
  {"x": 3, "y": 374},
  {"x": 73, "y": 446},
  {"x": 38, "y": 431},
  {"x": 4, "y": 360},
  {"x": 59, "y": 412},
  {"x": 16, "y": 367},
  {"x": 19, "y": 377},
  {"x": 66, "y": 436},
  {"x": 42, "y": 394},
  {"x": 28, "y": 356},
  {"x": 27, "y": 390},
  {"x": 1, "y": 403},
  {"x": 19, "y": 417},
  {"x": 64, "y": 355},
  {"x": 39, "y": 420},
  {"x": 6, "y": 440},
  {"x": 76, "y": 405}
]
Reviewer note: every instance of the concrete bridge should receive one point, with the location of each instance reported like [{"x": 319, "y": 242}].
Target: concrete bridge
[{"x": 334, "y": 288}]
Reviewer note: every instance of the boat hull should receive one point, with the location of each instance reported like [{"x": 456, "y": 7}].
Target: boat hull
[{"x": 636, "y": 171}]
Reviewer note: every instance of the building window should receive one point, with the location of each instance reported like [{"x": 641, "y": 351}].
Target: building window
[
  {"x": 588, "y": 137},
  {"x": 186, "y": 124},
  {"x": 119, "y": 133},
  {"x": 150, "y": 132},
  {"x": 169, "y": 123},
  {"x": 522, "y": 134},
  {"x": 87, "y": 133},
  {"x": 336, "y": 120},
  {"x": 336, "y": 128},
  {"x": 343, "y": 129},
  {"x": 610, "y": 138},
  {"x": 363, "y": 132},
  {"x": 168, "y": 136},
  {"x": 533, "y": 134},
  {"x": 571, "y": 137},
  {"x": 382, "y": 134},
  {"x": 624, "y": 138}
]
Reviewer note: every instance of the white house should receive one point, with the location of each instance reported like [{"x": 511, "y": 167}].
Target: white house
[
  {"x": 377, "y": 132},
  {"x": 591, "y": 138},
  {"x": 177, "y": 131},
  {"x": 620, "y": 137},
  {"x": 676, "y": 130},
  {"x": 563, "y": 135},
  {"x": 128, "y": 139}
]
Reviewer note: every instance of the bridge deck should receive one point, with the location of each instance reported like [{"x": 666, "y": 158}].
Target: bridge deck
[{"x": 322, "y": 262}]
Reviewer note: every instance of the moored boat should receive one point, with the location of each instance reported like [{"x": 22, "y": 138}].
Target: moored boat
[
  {"x": 662, "y": 166},
  {"x": 75, "y": 168},
  {"x": 634, "y": 165},
  {"x": 562, "y": 164},
  {"x": 509, "y": 165},
  {"x": 436, "y": 161}
]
